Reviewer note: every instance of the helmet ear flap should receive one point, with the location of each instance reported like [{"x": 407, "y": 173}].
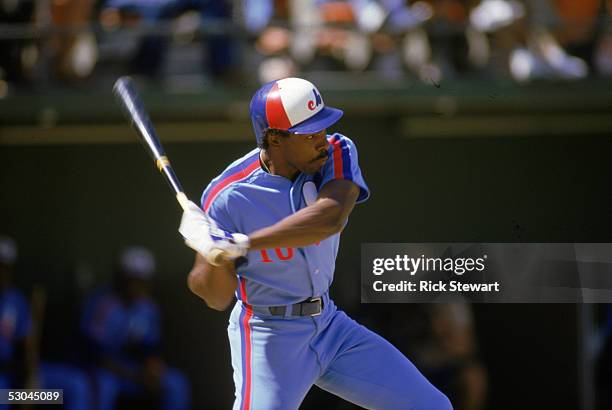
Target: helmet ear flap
[
  {"x": 257, "y": 112},
  {"x": 260, "y": 128}
]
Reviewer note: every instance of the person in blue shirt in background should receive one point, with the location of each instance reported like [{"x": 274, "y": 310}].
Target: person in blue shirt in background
[
  {"x": 15, "y": 323},
  {"x": 19, "y": 346},
  {"x": 122, "y": 327},
  {"x": 219, "y": 48}
]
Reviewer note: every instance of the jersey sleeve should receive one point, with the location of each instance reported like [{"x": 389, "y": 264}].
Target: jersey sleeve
[
  {"x": 218, "y": 210},
  {"x": 343, "y": 164}
]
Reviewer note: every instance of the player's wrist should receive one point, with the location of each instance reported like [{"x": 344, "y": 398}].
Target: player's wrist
[{"x": 242, "y": 241}]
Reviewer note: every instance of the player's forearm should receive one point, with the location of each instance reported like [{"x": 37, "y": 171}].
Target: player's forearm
[
  {"x": 213, "y": 284},
  {"x": 307, "y": 226}
]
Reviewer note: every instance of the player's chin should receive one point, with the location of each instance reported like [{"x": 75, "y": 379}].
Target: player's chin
[{"x": 314, "y": 167}]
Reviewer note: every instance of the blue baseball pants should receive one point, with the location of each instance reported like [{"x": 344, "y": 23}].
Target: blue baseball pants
[{"x": 277, "y": 359}]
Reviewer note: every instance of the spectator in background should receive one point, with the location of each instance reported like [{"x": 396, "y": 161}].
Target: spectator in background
[
  {"x": 73, "y": 49},
  {"x": 526, "y": 36},
  {"x": 602, "y": 60},
  {"x": 579, "y": 26},
  {"x": 442, "y": 340},
  {"x": 18, "y": 57},
  {"x": 378, "y": 33},
  {"x": 220, "y": 51},
  {"x": 269, "y": 24},
  {"x": 69, "y": 50},
  {"x": 152, "y": 48},
  {"x": 448, "y": 355},
  {"x": 20, "y": 342},
  {"x": 317, "y": 34},
  {"x": 122, "y": 326},
  {"x": 585, "y": 30}
]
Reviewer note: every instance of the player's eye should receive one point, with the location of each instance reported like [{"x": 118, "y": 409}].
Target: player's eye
[{"x": 309, "y": 137}]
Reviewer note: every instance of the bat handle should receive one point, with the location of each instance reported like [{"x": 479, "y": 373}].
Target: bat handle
[
  {"x": 215, "y": 257},
  {"x": 182, "y": 200}
]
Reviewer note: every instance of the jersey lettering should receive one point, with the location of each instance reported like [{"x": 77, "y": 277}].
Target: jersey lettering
[
  {"x": 282, "y": 257},
  {"x": 285, "y": 255},
  {"x": 264, "y": 256}
]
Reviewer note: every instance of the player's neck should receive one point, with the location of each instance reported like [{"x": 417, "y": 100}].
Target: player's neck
[{"x": 275, "y": 165}]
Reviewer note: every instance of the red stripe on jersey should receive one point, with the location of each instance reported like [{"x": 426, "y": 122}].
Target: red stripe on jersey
[
  {"x": 237, "y": 176},
  {"x": 337, "y": 155},
  {"x": 246, "y": 400},
  {"x": 275, "y": 112}
]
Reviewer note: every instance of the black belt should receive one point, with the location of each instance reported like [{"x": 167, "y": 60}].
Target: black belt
[{"x": 309, "y": 307}]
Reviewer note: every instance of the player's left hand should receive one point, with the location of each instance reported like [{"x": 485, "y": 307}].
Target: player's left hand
[{"x": 203, "y": 235}]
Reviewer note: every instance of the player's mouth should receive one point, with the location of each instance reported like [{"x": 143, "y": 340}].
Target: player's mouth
[{"x": 322, "y": 157}]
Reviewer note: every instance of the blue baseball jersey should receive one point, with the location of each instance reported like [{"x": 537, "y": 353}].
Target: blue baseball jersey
[
  {"x": 123, "y": 332},
  {"x": 330, "y": 350},
  {"x": 245, "y": 198},
  {"x": 15, "y": 321}
]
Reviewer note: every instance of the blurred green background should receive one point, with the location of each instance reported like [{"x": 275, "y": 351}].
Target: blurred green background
[{"x": 464, "y": 162}]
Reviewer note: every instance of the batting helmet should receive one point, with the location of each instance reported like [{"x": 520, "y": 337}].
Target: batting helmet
[{"x": 291, "y": 104}]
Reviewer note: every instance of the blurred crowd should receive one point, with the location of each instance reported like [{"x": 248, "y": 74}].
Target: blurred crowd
[
  {"x": 117, "y": 364},
  {"x": 49, "y": 41}
]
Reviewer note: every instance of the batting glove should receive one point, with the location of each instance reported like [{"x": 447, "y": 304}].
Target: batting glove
[{"x": 203, "y": 235}]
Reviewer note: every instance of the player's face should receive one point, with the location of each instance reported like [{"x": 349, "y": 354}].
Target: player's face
[
  {"x": 306, "y": 152},
  {"x": 131, "y": 288},
  {"x": 138, "y": 288}
]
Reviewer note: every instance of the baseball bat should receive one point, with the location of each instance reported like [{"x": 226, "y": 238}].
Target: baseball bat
[{"x": 134, "y": 109}]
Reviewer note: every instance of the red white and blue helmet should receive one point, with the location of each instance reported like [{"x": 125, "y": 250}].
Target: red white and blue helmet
[{"x": 291, "y": 104}]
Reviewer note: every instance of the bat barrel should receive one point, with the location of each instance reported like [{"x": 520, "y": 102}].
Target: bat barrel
[{"x": 134, "y": 110}]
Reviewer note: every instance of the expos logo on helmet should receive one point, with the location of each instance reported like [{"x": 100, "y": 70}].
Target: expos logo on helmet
[{"x": 312, "y": 105}]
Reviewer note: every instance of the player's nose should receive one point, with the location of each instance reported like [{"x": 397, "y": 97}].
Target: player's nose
[{"x": 321, "y": 142}]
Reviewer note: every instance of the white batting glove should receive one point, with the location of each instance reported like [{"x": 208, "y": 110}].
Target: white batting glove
[{"x": 203, "y": 235}]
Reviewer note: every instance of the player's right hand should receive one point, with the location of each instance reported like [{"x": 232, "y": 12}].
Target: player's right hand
[{"x": 203, "y": 235}]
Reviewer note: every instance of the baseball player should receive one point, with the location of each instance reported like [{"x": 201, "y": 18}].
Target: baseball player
[
  {"x": 279, "y": 211},
  {"x": 122, "y": 328},
  {"x": 19, "y": 364}
]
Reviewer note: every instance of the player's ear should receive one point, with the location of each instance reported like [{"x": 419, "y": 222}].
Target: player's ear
[{"x": 274, "y": 139}]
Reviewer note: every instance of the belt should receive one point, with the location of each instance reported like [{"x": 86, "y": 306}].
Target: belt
[{"x": 309, "y": 307}]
